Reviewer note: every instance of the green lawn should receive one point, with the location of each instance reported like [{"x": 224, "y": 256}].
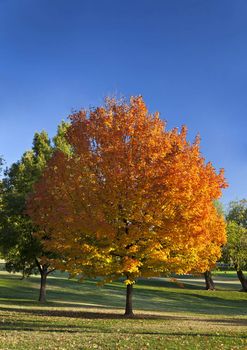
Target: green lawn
[{"x": 84, "y": 316}]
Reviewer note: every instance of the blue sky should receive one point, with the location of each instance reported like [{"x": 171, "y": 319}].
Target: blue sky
[{"x": 187, "y": 58}]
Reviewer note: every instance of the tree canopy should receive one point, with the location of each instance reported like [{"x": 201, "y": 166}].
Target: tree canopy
[
  {"x": 21, "y": 249},
  {"x": 235, "y": 251},
  {"x": 131, "y": 199}
]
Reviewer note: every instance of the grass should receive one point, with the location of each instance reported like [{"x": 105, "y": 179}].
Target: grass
[{"x": 84, "y": 316}]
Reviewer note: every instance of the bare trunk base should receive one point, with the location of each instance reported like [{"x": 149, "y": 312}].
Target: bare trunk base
[
  {"x": 42, "y": 291},
  {"x": 209, "y": 280},
  {"x": 128, "y": 308},
  {"x": 44, "y": 271},
  {"x": 242, "y": 280}
]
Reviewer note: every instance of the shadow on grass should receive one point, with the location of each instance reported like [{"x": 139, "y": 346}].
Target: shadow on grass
[
  {"x": 150, "y": 295},
  {"x": 115, "y": 316},
  {"x": 87, "y": 315}
]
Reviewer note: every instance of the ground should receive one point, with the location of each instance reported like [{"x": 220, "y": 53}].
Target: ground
[{"x": 168, "y": 315}]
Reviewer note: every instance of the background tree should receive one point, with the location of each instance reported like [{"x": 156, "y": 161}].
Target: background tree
[
  {"x": 1, "y": 163},
  {"x": 21, "y": 249},
  {"x": 59, "y": 140},
  {"x": 235, "y": 251},
  {"x": 1, "y": 188},
  {"x": 1, "y": 169},
  {"x": 131, "y": 200}
]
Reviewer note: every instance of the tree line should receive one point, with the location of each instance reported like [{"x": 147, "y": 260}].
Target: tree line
[{"x": 115, "y": 195}]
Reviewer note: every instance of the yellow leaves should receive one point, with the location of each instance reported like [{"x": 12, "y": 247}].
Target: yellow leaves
[
  {"x": 131, "y": 265},
  {"x": 108, "y": 120},
  {"x": 159, "y": 257},
  {"x": 133, "y": 249},
  {"x": 128, "y": 281}
]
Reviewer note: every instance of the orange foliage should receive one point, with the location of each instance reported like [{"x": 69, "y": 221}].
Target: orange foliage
[{"x": 132, "y": 199}]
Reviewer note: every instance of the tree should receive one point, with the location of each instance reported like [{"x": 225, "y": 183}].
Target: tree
[
  {"x": 1, "y": 163},
  {"x": 1, "y": 169},
  {"x": 1, "y": 187},
  {"x": 206, "y": 257},
  {"x": 131, "y": 200},
  {"x": 208, "y": 274},
  {"x": 235, "y": 251},
  {"x": 59, "y": 140},
  {"x": 19, "y": 245}
]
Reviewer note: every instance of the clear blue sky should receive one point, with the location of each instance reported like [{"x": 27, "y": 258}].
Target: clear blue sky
[{"x": 188, "y": 58}]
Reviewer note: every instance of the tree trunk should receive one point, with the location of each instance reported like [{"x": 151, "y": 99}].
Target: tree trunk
[
  {"x": 209, "y": 280},
  {"x": 44, "y": 271},
  {"x": 128, "y": 307},
  {"x": 42, "y": 291},
  {"x": 242, "y": 280}
]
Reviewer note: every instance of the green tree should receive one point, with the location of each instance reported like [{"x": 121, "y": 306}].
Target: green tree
[
  {"x": 1, "y": 188},
  {"x": 1, "y": 163},
  {"x": 59, "y": 139},
  {"x": 20, "y": 246},
  {"x": 235, "y": 251}
]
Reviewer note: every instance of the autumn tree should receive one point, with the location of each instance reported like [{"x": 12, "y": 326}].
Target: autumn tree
[
  {"x": 206, "y": 259},
  {"x": 131, "y": 200},
  {"x": 235, "y": 251},
  {"x": 208, "y": 255},
  {"x": 21, "y": 249}
]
